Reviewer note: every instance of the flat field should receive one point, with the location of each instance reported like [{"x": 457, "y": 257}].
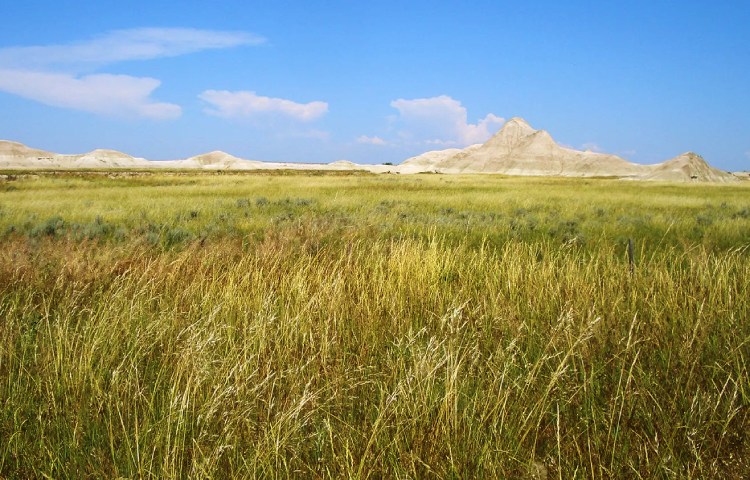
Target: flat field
[{"x": 187, "y": 325}]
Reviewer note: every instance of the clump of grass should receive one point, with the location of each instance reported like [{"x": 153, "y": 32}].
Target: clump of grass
[
  {"x": 175, "y": 236},
  {"x": 51, "y": 227},
  {"x": 98, "y": 229}
]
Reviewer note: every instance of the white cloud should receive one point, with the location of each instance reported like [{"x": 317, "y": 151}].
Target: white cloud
[
  {"x": 118, "y": 95},
  {"x": 50, "y": 74},
  {"x": 370, "y": 140},
  {"x": 442, "y": 121},
  {"x": 248, "y": 104},
  {"x": 123, "y": 45}
]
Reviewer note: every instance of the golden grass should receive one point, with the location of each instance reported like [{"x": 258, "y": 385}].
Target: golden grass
[{"x": 370, "y": 327}]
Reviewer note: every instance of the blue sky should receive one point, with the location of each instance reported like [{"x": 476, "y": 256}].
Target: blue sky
[{"x": 375, "y": 82}]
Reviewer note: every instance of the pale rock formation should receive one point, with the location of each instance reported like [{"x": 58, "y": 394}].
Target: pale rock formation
[
  {"x": 16, "y": 155},
  {"x": 103, "y": 159},
  {"x": 517, "y": 149},
  {"x": 688, "y": 167},
  {"x": 218, "y": 160},
  {"x": 430, "y": 159}
]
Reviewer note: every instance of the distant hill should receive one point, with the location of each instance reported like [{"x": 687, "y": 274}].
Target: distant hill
[
  {"x": 15, "y": 149},
  {"x": 519, "y": 149},
  {"x": 516, "y": 149},
  {"x": 688, "y": 166},
  {"x": 18, "y": 156}
]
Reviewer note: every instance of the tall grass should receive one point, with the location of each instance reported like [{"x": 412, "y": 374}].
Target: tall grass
[{"x": 401, "y": 331}]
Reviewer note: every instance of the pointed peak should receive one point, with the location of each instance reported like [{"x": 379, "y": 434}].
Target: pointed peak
[
  {"x": 512, "y": 132},
  {"x": 519, "y": 126},
  {"x": 518, "y": 121}
]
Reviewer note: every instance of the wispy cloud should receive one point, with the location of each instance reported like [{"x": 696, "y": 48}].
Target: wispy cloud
[
  {"x": 241, "y": 104},
  {"x": 119, "y": 95},
  {"x": 123, "y": 45},
  {"x": 591, "y": 146},
  {"x": 51, "y": 74},
  {"x": 364, "y": 139},
  {"x": 442, "y": 121}
]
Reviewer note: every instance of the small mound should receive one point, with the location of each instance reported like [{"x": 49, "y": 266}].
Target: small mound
[
  {"x": 689, "y": 167},
  {"x": 216, "y": 157},
  {"x": 108, "y": 154},
  {"x": 220, "y": 160},
  {"x": 343, "y": 164}
]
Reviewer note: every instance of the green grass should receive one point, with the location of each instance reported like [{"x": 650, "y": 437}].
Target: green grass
[{"x": 360, "y": 326}]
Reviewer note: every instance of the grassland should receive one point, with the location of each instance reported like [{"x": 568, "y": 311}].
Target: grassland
[{"x": 361, "y": 326}]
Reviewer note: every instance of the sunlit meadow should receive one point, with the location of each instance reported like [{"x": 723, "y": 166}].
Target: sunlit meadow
[{"x": 175, "y": 325}]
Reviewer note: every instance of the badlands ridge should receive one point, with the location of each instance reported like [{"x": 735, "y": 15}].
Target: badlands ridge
[{"x": 517, "y": 149}]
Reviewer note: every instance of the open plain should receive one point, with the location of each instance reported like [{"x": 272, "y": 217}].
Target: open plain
[{"x": 349, "y": 325}]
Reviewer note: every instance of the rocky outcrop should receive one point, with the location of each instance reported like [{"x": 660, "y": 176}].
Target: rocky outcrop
[
  {"x": 688, "y": 167},
  {"x": 17, "y": 155},
  {"x": 519, "y": 149},
  {"x": 218, "y": 160}
]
